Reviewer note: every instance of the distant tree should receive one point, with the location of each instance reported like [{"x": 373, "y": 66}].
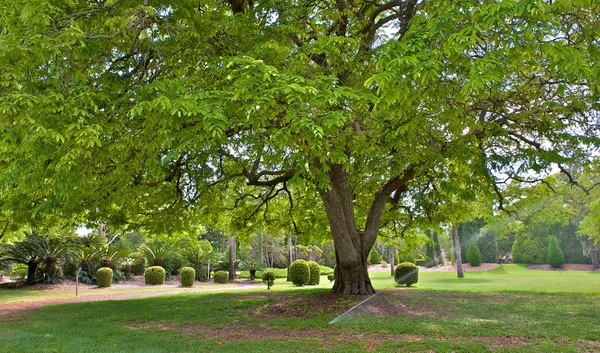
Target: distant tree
[
  {"x": 555, "y": 256},
  {"x": 473, "y": 254}
]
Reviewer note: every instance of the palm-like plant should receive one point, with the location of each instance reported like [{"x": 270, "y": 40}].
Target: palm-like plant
[
  {"x": 128, "y": 263},
  {"x": 113, "y": 257},
  {"x": 52, "y": 251},
  {"x": 196, "y": 256},
  {"x": 28, "y": 252},
  {"x": 156, "y": 253},
  {"x": 251, "y": 266}
]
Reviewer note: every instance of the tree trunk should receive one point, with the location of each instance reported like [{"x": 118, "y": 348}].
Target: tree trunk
[
  {"x": 260, "y": 247},
  {"x": 232, "y": 258},
  {"x": 391, "y": 250},
  {"x": 31, "y": 267},
  {"x": 290, "y": 256},
  {"x": 458, "y": 259},
  {"x": 351, "y": 245},
  {"x": 594, "y": 255}
]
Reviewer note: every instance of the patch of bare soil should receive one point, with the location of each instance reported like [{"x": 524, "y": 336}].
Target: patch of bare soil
[
  {"x": 466, "y": 268},
  {"x": 565, "y": 267},
  {"x": 329, "y": 336},
  {"x": 307, "y": 306},
  {"x": 380, "y": 268}
]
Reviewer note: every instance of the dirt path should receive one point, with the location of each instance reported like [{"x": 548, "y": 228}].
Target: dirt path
[{"x": 13, "y": 308}]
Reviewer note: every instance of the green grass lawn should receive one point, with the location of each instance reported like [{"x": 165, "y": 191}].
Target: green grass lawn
[{"x": 509, "y": 309}]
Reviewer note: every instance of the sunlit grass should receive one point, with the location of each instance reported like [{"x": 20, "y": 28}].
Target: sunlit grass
[{"x": 504, "y": 279}]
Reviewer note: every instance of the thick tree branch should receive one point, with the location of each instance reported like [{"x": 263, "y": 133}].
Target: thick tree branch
[{"x": 397, "y": 184}]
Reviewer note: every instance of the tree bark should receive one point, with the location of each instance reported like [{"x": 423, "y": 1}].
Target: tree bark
[
  {"x": 351, "y": 245},
  {"x": 459, "y": 270},
  {"x": 594, "y": 255},
  {"x": 232, "y": 258},
  {"x": 290, "y": 256},
  {"x": 391, "y": 250},
  {"x": 31, "y": 268}
]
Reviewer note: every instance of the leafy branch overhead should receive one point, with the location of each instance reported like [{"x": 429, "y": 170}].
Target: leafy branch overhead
[{"x": 347, "y": 112}]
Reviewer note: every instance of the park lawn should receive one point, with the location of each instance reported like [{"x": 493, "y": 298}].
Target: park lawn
[
  {"x": 8, "y": 296},
  {"x": 504, "y": 279},
  {"x": 441, "y": 314}
]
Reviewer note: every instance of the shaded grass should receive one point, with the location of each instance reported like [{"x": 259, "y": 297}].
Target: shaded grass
[
  {"x": 419, "y": 321},
  {"x": 509, "y": 309}
]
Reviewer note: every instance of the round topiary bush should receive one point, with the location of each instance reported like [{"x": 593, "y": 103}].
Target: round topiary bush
[
  {"x": 331, "y": 277},
  {"x": 315, "y": 273},
  {"x": 221, "y": 276},
  {"x": 406, "y": 273},
  {"x": 155, "y": 275},
  {"x": 473, "y": 255},
  {"x": 269, "y": 279},
  {"x": 104, "y": 277},
  {"x": 188, "y": 275},
  {"x": 555, "y": 256},
  {"x": 299, "y": 272}
]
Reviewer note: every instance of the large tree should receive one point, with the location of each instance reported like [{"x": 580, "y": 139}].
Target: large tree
[{"x": 147, "y": 112}]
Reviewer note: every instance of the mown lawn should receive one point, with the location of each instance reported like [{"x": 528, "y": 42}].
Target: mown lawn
[{"x": 506, "y": 310}]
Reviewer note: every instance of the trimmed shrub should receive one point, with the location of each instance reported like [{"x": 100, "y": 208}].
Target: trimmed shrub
[
  {"x": 299, "y": 272},
  {"x": 374, "y": 256},
  {"x": 406, "y": 273},
  {"x": 155, "y": 275},
  {"x": 104, "y": 277},
  {"x": 188, "y": 275},
  {"x": 555, "y": 256},
  {"x": 221, "y": 277},
  {"x": 331, "y": 277},
  {"x": 473, "y": 254},
  {"x": 325, "y": 270},
  {"x": 315, "y": 273},
  {"x": 269, "y": 279}
]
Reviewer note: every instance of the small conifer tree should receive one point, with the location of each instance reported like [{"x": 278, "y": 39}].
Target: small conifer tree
[
  {"x": 473, "y": 255},
  {"x": 555, "y": 256}
]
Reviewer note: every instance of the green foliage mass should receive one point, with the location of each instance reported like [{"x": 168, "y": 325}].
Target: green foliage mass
[
  {"x": 299, "y": 272},
  {"x": 139, "y": 265},
  {"x": 555, "y": 256},
  {"x": 188, "y": 275},
  {"x": 104, "y": 277},
  {"x": 268, "y": 278},
  {"x": 374, "y": 256},
  {"x": 406, "y": 273},
  {"x": 486, "y": 240},
  {"x": 221, "y": 277},
  {"x": 473, "y": 255},
  {"x": 331, "y": 277},
  {"x": 315, "y": 273},
  {"x": 155, "y": 275},
  {"x": 154, "y": 113}
]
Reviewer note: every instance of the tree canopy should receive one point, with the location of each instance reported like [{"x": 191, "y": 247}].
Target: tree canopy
[{"x": 152, "y": 113}]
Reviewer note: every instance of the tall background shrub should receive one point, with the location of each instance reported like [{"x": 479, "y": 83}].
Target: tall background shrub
[
  {"x": 473, "y": 254},
  {"x": 555, "y": 256}
]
